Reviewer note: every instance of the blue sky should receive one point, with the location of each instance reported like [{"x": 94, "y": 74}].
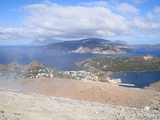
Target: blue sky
[{"x": 134, "y": 21}]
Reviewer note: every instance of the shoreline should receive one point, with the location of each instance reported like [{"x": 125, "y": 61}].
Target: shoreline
[
  {"x": 37, "y": 70},
  {"x": 90, "y": 75}
]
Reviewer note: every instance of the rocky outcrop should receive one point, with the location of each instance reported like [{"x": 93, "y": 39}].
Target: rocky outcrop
[
  {"x": 17, "y": 71},
  {"x": 99, "y": 50}
]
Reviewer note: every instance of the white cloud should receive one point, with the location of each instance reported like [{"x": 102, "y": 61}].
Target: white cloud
[
  {"x": 126, "y": 8},
  {"x": 95, "y": 19},
  {"x": 157, "y": 10},
  {"x": 150, "y": 16},
  {"x": 74, "y": 21},
  {"x": 15, "y": 33},
  {"x": 148, "y": 27},
  {"x": 145, "y": 24}
]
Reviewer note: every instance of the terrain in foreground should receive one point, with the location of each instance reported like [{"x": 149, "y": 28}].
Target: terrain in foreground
[{"x": 97, "y": 100}]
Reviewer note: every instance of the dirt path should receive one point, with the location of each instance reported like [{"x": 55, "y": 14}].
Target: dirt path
[{"x": 87, "y": 91}]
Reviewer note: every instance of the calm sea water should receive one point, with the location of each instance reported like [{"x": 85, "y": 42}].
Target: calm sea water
[
  {"x": 139, "y": 79},
  {"x": 63, "y": 60},
  {"x": 59, "y": 60}
]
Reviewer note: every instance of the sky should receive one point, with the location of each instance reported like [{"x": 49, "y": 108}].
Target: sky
[{"x": 134, "y": 21}]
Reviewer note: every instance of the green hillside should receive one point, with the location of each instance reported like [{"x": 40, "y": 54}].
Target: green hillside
[{"x": 123, "y": 64}]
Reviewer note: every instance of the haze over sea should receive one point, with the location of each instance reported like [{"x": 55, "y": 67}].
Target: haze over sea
[{"x": 63, "y": 60}]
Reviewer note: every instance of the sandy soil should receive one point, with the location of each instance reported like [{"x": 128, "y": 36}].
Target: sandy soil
[
  {"x": 60, "y": 99},
  {"x": 155, "y": 87},
  {"x": 87, "y": 91},
  {"x": 15, "y": 105}
]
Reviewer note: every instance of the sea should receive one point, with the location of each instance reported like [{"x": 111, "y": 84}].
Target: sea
[{"x": 63, "y": 60}]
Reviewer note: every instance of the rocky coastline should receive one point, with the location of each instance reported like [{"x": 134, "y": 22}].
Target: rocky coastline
[
  {"x": 37, "y": 70},
  {"x": 17, "y": 71},
  {"x": 98, "y": 50}
]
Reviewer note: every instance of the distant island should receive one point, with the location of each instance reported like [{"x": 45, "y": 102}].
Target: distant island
[
  {"x": 44, "y": 42},
  {"x": 146, "y": 46},
  {"x": 123, "y": 64},
  {"x": 93, "y": 45}
]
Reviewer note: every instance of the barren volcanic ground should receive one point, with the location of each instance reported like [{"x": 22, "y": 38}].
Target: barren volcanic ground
[
  {"x": 15, "y": 105},
  {"x": 155, "y": 86},
  {"x": 87, "y": 91},
  {"x": 61, "y": 99}
]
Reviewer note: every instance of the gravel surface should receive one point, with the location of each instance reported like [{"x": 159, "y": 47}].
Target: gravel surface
[
  {"x": 87, "y": 91},
  {"x": 60, "y": 99},
  {"x": 15, "y": 105},
  {"x": 155, "y": 86}
]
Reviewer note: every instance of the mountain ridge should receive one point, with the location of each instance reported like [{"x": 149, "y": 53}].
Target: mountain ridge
[
  {"x": 93, "y": 45},
  {"x": 44, "y": 42}
]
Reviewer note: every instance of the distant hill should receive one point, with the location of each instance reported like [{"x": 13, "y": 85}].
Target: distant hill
[
  {"x": 44, "y": 42},
  {"x": 35, "y": 43},
  {"x": 123, "y": 64},
  {"x": 146, "y": 46},
  {"x": 93, "y": 45},
  {"x": 17, "y": 71}
]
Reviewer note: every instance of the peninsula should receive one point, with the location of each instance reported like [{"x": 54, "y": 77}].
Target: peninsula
[{"x": 123, "y": 64}]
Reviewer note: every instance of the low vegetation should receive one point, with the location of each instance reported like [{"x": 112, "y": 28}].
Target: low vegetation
[{"x": 123, "y": 64}]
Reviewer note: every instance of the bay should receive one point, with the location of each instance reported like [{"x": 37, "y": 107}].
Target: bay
[
  {"x": 59, "y": 60},
  {"x": 63, "y": 60},
  {"x": 139, "y": 79}
]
